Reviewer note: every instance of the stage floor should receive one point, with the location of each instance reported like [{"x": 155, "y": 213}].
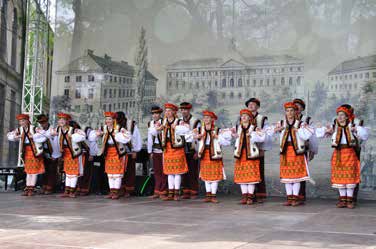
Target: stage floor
[{"x": 94, "y": 222}]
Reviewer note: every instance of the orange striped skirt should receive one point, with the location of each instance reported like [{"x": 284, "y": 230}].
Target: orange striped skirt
[
  {"x": 292, "y": 166},
  {"x": 210, "y": 170},
  {"x": 71, "y": 165},
  {"x": 114, "y": 164},
  {"x": 345, "y": 166},
  {"x": 247, "y": 171},
  {"x": 32, "y": 164},
  {"x": 174, "y": 161}
]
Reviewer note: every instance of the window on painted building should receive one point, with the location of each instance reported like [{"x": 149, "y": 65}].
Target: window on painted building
[
  {"x": 355, "y": 76},
  {"x": 216, "y": 83},
  {"x": 119, "y": 94},
  {"x": 90, "y": 78},
  {"x": 126, "y": 106},
  {"x": 110, "y": 93},
  {"x": 298, "y": 80},
  {"x": 66, "y": 92},
  {"x": 78, "y": 78},
  {"x": 248, "y": 82},
  {"x": 118, "y": 105},
  {"x": 105, "y": 93},
  {"x": 109, "y": 107},
  {"x": 110, "y": 78},
  {"x": 104, "y": 107},
  {"x": 90, "y": 94},
  {"x": 274, "y": 82},
  {"x": 367, "y": 76},
  {"x": 240, "y": 83},
  {"x": 176, "y": 74},
  {"x": 224, "y": 83},
  {"x": 114, "y": 93},
  {"x": 231, "y": 82},
  {"x": 66, "y": 78},
  {"x": 283, "y": 81},
  {"x": 216, "y": 73},
  {"x": 282, "y": 70},
  {"x": 77, "y": 108},
  {"x": 361, "y": 76},
  {"x": 267, "y": 82},
  {"x": 90, "y": 108},
  {"x": 78, "y": 93},
  {"x": 345, "y": 77},
  {"x": 190, "y": 73},
  {"x": 114, "y": 106},
  {"x": 290, "y": 81}
]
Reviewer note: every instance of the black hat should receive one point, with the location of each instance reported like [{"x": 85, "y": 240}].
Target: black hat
[
  {"x": 42, "y": 118},
  {"x": 255, "y": 100},
  {"x": 156, "y": 109},
  {"x": 185, "y": 105},
  {"x": 300, "y": 102}
]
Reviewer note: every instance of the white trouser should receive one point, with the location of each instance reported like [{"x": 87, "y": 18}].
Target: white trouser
[
  {"x": 211, "y": 187},
  {"x": 31, "y": 180},
  {"x": 349, "y": 192},
  {"x": 174, "y": 182},
  {"x": 71, "y": 181},
  {"x": 247, "y": 188},
  {"x": 292, "y": 188}
]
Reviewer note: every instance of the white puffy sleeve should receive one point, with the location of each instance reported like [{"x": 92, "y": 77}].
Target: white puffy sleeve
[
  {"x": 151, "y": 131},
  {"x": 136, "y": 140},
  {"x": 123, "y": 136},
  {"x": 78, "y": 136},
  {"x": 224, "y": 137},
  {"x": 305, "y": 133},
  {"x": 320, "y": 132},
  {"x": 362, "y": 133},
  {"x": 92, "y": 136},
  {"x": 12, "y": 136},
  {"x": 181, "y": 130},
  {"x": 258, "y": 137},
  {"x": 40, "y": 137}
]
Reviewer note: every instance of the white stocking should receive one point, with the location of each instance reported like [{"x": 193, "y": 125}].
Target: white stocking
[
  {"x": 214, "y": 187},
  {"x": 288, "y": 187},
  {"x": 350, "y": 192},
  {"x": 207, "y": 187},
  {"x": 177, "y": 182},
  {"x": 171, "y": 181},
  {"x": 342, "y": 191},
  {"x": 251, "y": 188},
  {"x": 296, "y": 188},
  {"x": 244, "y": 188}
]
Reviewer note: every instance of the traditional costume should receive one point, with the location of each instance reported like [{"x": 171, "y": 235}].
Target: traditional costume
[
  {"x": 261, "y": 121},
  {"x": 247, "y": 158},
  {"x": 174, "y": 161},
  {"x": 345, "y": 161},
  {"x": 70, "y": 140},
  {"x": 114, "y": 141},
  {"x": 31, "y": 151},
  {"x": 51, "y": 155},
  {"x": 132, "y": 147},
  {"x": 293, "y": 161},
  {"x": 91, "y": 149},
  {"x": 311, "y": 144},
  {"x": 154, "y": 147},
  {"x": 190, "y": 181},
  {"x": 211, "y": 156}
]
